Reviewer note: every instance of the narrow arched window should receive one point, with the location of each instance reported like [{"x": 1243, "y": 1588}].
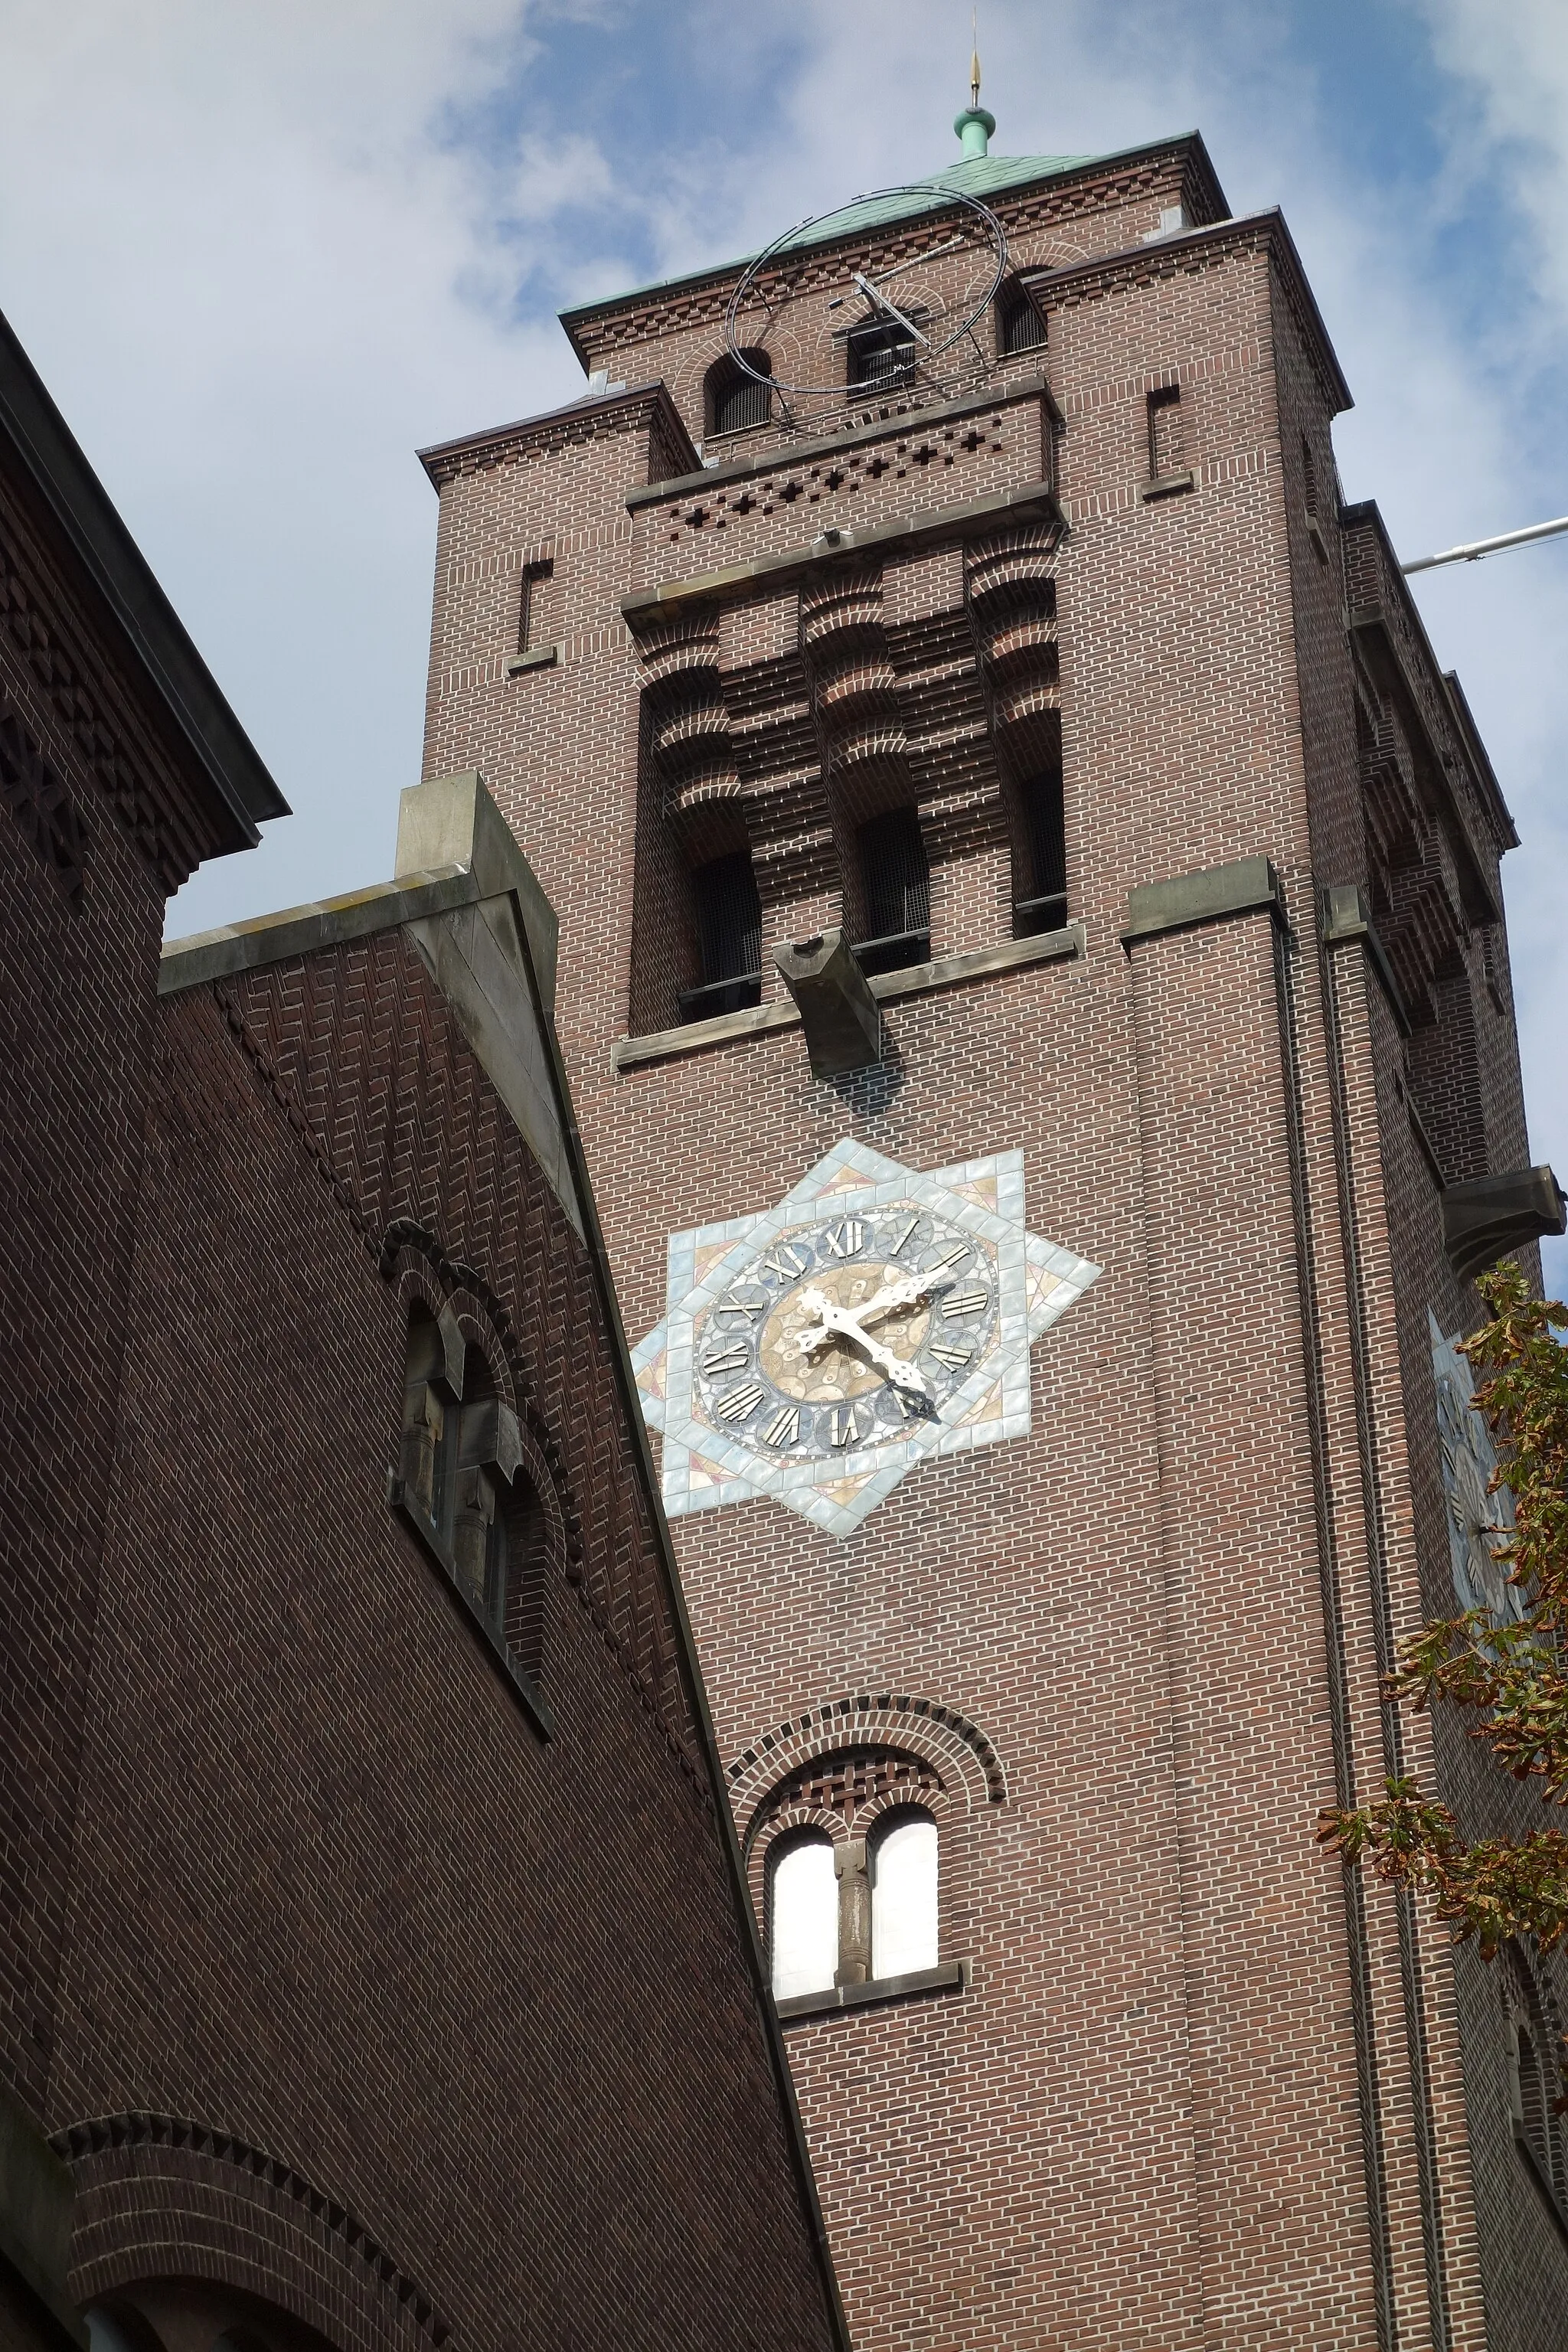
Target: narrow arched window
[
  {"x": 902, "y": 1860},
  {"x": 1019, "y": 326},
  {"x": 803, "y": 1917},
  {"x": 1533, "y": 2084},
  {"x": 732, "y": 398},
  {"x": 895, "y": 886},
  {"x": 1043, "y": 906}
]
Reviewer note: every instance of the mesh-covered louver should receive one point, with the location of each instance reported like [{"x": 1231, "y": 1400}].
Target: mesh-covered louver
[
  {"x": 1022, "y": 329},
  {"x": 896, "y": 884},
  {"x": 730, "y": 937},
  {"x": 739, "y": 399}
]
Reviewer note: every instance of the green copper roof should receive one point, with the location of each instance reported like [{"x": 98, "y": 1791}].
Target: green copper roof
[{"x": 978, "y": 175}]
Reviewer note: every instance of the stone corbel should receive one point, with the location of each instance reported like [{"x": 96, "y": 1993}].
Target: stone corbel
[
  {"x": 842, "y": 1019},
  {"x": 1489, "y": 1216}
]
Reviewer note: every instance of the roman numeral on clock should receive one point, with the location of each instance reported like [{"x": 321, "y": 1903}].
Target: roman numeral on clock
[
  {"x": 963, "y": 1302},
  {"x": 945, "y": 1354},
  {"x": 729, "y": 1360},
  {"x": 847, "y": 1239},
  {"x": 750, "y": 1310},
  {"x": 904, "y": 1233},
  {"x": 785, "y": 1427},
  {"x": 741, "y": 1402},
  {"x": 786, "y": 1263},
  {"x": 843, "y": 1429},
  {"x": 953, "y": 1256}
]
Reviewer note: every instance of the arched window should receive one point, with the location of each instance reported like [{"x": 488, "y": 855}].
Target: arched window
[
  {"x": 895, "y": 884},
  {"x": 1019, "y": 326},
  {"x": 732, "y": 400},
  {"x": 902, "y": 1861},
  {"x": 1535, "y": 2085},
  {"x": 1044, "y": 905},
  {"x": 462, "y": 1451},
  {"x": 803, "y": 1916}
]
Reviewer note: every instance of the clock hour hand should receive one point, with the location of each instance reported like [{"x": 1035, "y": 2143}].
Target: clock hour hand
[
  {"x": 874, "y": 295},
  {"x": 839, "y": 1323}
]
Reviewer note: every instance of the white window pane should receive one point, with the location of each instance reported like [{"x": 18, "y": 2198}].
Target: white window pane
[
  {"x": 903, "y": 1898},
  {"x": 805, "y": 1919}
]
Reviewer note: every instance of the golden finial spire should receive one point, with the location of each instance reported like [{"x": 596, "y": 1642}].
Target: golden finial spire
[{"x": 974, "y": 57}]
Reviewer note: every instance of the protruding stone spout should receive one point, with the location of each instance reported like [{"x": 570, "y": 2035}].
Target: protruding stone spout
[{"x": 842, "y": 1019}]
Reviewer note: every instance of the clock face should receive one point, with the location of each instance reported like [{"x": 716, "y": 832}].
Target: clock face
[
  {"x": 847, "y": 1332},
  {"x": 813, "y": 320},
  {"x": 818, "y": 1351}
]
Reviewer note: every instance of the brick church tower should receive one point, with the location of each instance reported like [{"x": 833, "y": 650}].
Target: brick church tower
[{"x": 1035, "y": 989}]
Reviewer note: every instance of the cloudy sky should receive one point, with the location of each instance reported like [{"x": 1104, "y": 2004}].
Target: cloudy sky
[{"x": 263, "y": 250}]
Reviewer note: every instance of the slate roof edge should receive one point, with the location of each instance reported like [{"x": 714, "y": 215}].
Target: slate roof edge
[
  {"x": 1189, "y": 141},
  {"x": 179, "y": 681}
]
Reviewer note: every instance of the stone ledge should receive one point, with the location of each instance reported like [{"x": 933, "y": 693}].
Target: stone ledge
[
  {"x": 1248, "y": 886},
  {"x": 536, "y": 657},
  {"x": 1068, "y": 945},
  {"x": 735, "y": 580},
  {"x": 1166, "y": 486},
  {"x": 779, "y": 456},
  {"x": 305, "y": 931},
  {"x": 952, "y": 1976}
]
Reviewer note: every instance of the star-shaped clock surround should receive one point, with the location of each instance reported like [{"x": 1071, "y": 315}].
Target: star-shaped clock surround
[{"x": 706, "y": 1465}]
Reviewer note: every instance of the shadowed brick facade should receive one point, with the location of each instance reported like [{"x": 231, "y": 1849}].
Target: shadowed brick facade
[
  {"x": 1180, "y": 2084},
  {"x": 377, "y": 1965}
]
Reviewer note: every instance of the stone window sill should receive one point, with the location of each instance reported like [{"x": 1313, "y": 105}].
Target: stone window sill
[
  {"x": 536, "y": 657},
  {"x": 1531, "y": 2163},
  {"x": 1166, "y": 486},
  {"x": 952, "y": 1976},
  {"x": 1067, "y": 945},
  {"x": 523, "y": 1688}
]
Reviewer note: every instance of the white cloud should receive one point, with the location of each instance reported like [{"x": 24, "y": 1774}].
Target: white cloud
[{"x": 261, "y": 252}]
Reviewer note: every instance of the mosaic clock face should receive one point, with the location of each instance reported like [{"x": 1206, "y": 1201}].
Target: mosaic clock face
[
  {"x": 878, "y": 1315},
  {"x": 846, "y": 1332}
]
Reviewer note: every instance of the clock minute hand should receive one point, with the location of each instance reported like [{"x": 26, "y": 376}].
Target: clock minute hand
[
  {"x": 839, "y": 1323},
  {"x": 873, "y": 294}
]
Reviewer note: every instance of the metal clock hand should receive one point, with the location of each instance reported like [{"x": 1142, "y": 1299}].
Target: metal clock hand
[
  {"x": 843, "y": 1323},
  {"x": 873, "y": 295}
]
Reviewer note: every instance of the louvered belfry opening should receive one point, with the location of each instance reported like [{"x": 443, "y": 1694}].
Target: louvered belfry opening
[
  {"x": 880, "y": 355},
  {"x": 729, "y": 938},
  {"x": 895, "y": 884},
  {"x": 736, "y": 400},
  {"x": 1045, "y": 907},
  {"x": 1019, "y": 326}
]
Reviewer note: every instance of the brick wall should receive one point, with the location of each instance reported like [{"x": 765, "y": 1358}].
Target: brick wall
[{"x": 334, "y": 1897}]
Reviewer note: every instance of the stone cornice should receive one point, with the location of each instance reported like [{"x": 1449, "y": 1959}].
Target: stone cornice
[{"x": 1194, "y": 249}]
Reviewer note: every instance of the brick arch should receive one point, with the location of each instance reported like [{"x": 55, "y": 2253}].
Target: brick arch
[
  {"x": 160, "y": 2196},
  {"x": 967, "y": 1766}
]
